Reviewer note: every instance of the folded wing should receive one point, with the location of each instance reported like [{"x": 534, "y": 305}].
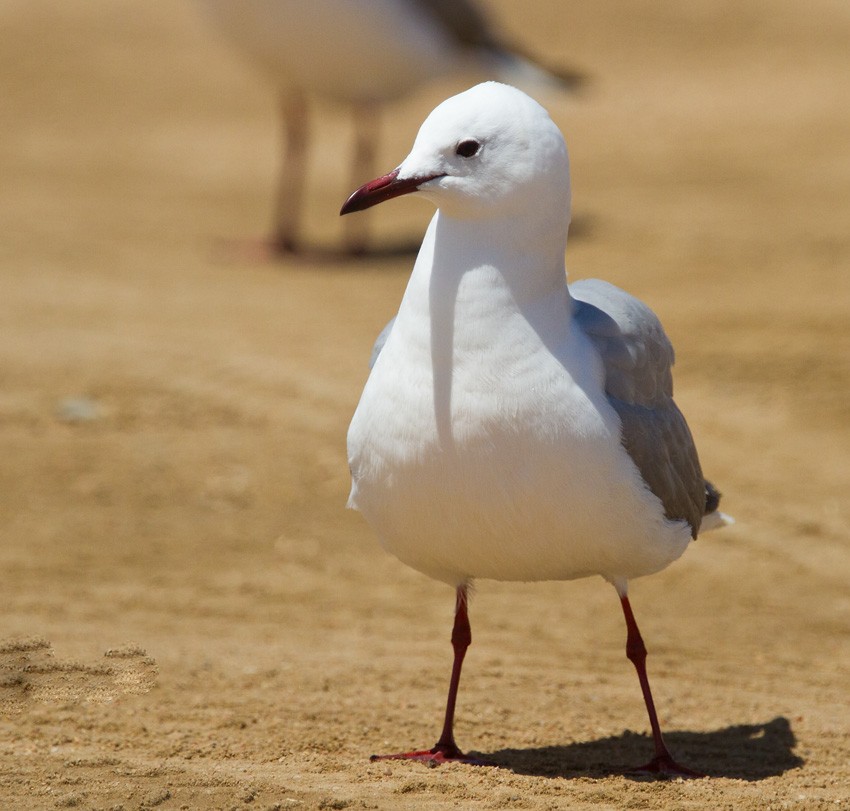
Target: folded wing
[{"x": 637, "y": 357}]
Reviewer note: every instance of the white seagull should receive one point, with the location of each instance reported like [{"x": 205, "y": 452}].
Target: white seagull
[
  {"x": 512, "y": 427},
  {"x": 362, "y": 53}
]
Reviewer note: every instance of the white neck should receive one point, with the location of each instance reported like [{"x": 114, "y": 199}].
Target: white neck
[
  {"x": 471, "y": 282},
  {"x": 530, "y": 261}
]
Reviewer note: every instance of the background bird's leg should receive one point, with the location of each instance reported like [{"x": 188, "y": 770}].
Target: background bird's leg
[
  {"x": 365, "y": 116},
  {"x": 663, "y": 762},
  {"x": 290, "y": 191}
]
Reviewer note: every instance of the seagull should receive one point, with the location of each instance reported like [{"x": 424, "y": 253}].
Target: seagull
[
  {"x": 362, "y": 54},
  {"x": 513, "y": 427}
]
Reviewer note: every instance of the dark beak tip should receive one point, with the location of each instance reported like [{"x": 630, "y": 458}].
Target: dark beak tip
[
  {"x": 357, "y": 201},
  {"x": 349, "y": 205},
  {"x": 370, "y": 194}
]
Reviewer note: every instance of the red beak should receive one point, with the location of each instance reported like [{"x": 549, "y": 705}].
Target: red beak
[{"x": 382, "y": 188}]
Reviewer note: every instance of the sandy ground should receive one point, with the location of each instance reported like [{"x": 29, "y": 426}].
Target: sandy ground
[{"x": 192, "y": 620}]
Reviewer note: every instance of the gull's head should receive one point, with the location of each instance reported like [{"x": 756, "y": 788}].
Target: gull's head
[{"x": 490, "y": 152}]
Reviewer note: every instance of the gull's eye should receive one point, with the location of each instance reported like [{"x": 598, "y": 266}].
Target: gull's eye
[{"x": 468, "y": 148}]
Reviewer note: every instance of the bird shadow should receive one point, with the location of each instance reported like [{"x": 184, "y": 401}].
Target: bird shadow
[
  {"x": 267, "y": 252},
  {"x": 744, "y": 752},
  {"x": 264, "y": 251}
]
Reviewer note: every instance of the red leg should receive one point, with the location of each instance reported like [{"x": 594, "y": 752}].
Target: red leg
[
  {"x": 446, "y": 750},
  {"x": 663, "y": 762}
]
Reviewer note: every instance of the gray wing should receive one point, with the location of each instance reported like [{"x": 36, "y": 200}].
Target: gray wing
[
  {"x": 467, "y": 24},
  {"x": 462, "y": 20},
  {"x": 380, "y": 341},
  {"x": 638, "y": 357}
]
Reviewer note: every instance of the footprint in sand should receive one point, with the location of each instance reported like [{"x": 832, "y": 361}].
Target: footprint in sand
[{"x": 30, "y": 671}]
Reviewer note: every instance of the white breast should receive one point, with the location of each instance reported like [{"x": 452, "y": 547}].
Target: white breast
[{"x": 502, "y": 459}]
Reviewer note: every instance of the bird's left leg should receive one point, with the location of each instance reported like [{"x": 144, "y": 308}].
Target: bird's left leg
[
  {"x": 663, "y": 762},
  {"x": 291, "y": 184}
]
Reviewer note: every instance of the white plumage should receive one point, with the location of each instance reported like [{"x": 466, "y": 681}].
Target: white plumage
[
  {"x": 510, "y": 430},
  {"x": 498, "y": 455}
]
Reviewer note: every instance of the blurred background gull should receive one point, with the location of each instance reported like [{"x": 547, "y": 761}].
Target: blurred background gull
[{"x": 364, "y": 55}]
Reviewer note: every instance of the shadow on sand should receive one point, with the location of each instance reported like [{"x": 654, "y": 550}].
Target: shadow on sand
[
  {"x": 743, "y": 752},
  {"x": 262, "y": 251}
]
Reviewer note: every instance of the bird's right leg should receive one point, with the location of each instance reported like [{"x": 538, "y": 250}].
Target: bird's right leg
[
  {"x": 446, "y": 750},
  {"x": 365, "y": 117}
]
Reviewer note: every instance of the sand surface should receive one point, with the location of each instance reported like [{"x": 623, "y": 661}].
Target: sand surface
[{"x": 192, "y": 620}]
